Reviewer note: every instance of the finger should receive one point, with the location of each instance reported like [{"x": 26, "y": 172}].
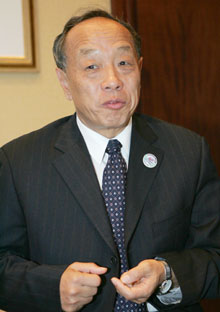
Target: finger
[
  {"x": 88, "y": 267},
  {"x": 77, "y": 296},
  {"x": 122, "y": 289},
  {"x": 144, "y": 269},
  {"x": 133, "y": 275},
  {"x": 139, "y": 301},
  {"x": 84, "y": 279},
  {"x": 84, "y": 292},
  {"x": 137, "y": 292}
]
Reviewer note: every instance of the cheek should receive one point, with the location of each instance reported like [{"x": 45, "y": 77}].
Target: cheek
[
  {"x": 87, "y": 89},
  {"x": 133, "y": 84},
  {"x": 134, "y": 92},
  {"x": 78, "y": 90}
]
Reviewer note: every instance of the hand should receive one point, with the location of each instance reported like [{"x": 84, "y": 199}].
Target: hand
[
  {"x": 78, "y": 284},
  {"x": 139, "y": 283}
]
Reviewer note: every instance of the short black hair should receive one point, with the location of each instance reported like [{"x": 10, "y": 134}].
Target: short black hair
[{"x": 58, "y": 46}]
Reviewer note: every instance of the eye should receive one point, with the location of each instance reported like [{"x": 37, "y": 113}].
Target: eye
[
  {"x": 91, "y": 67},
  {"x": 123, "y": 63}
]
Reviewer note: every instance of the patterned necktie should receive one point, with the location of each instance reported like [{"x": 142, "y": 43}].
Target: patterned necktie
[{"x": 113, "y": 187}]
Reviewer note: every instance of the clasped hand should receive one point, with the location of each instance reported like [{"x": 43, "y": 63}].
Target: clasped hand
[{"x": 80, "y": 282}]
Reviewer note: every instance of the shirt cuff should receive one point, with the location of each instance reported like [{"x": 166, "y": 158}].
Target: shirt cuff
[{"x": 174, "y": 296}]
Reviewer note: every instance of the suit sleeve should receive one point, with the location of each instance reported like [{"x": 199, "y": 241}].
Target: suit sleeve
[
  {"x": 24, "y": 285},
  {"x": 197, "y": 266}
]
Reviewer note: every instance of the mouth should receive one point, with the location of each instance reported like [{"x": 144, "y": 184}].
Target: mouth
[{"x": 114, "y": 104}]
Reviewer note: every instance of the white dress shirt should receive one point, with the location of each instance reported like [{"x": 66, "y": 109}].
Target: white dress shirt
[{"x": 96, "y": 144}]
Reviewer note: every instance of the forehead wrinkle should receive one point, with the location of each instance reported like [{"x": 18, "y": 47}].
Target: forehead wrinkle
[
  {"x": 88, "y": 51},
  {"x": 89, "y": 32}
]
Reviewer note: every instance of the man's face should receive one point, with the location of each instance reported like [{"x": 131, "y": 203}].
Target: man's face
[{"x": 102, "y": 74}]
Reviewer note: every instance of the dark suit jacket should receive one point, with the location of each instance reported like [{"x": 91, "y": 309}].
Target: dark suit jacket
[{"x": 52, "y": 213}]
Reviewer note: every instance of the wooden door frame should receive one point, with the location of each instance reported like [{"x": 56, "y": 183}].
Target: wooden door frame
[{"x": 128, "y": 9}]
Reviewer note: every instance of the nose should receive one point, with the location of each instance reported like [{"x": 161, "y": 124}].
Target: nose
[{"x": 111, "y": 81}]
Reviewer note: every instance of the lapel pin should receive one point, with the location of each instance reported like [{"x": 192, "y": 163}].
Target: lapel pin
[{"x": 150, "y": 160}]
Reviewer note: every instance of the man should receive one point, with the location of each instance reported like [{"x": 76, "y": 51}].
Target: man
[{"x": 58, "y": 240}]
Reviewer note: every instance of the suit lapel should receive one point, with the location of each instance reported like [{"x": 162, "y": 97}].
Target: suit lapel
[
  {"x": 75, "y": 167},
  {"x": 140, "y": 177}
]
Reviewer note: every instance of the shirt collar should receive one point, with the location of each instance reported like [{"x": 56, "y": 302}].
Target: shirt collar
[{"x": 97, "y": 143}]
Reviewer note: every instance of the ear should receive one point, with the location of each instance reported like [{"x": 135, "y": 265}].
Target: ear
[
  {"x": 61, "y": 75},
  {"x": 140, "y": 62}
]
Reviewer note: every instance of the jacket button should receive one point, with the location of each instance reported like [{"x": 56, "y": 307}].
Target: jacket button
[{"x": 114, "y": 260}]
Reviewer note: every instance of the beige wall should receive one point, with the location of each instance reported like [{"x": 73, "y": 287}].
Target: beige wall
[{"x": 30, "y": 100}]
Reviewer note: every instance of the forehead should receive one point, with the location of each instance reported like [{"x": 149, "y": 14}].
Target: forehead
[{"x": 98, "y": 32}]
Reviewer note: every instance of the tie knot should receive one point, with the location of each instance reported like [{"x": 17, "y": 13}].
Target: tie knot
[{"x": 114, "y": 146}]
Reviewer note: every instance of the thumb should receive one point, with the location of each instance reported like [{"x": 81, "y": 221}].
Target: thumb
[
  {"x": 132, "y": 276},
  {"x": 89, "y": 267},
  {"x": 96, "y": 269}
]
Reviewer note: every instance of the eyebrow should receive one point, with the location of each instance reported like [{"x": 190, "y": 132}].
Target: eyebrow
[
  {"x": 87, "y": 51},
  {"x": 124, "y": 48}
]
